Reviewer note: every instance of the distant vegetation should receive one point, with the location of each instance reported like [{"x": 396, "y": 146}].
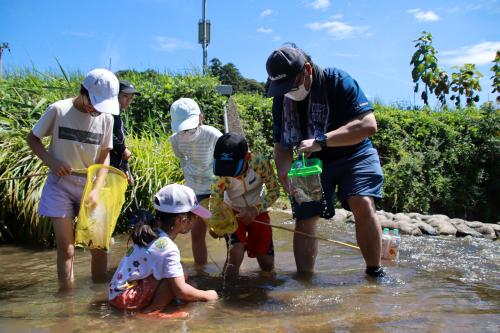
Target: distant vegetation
[{"x": 463, "y": 85}]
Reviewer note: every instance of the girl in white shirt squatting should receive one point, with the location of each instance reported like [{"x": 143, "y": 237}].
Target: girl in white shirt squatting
[{"x": 150, "y": 275}]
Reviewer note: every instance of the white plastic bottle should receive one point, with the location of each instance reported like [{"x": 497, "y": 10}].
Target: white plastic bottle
[
  {"x": 393, "y": 252},
  {"x": 386, "y": 241}
]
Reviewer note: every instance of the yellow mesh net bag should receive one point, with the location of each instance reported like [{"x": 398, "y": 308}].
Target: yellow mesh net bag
[
  {"x": 102, "y": 201},
  {"x": 223, "y": 220}
]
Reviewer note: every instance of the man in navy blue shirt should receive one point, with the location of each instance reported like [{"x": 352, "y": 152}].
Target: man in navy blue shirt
[{"x": 325, "y": 114}]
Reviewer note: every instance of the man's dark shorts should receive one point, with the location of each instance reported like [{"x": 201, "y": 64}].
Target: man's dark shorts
[{"x": 359, "y": 175}]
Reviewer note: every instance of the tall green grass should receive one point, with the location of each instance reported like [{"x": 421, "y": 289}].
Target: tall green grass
[{"x": 434, "y": 162}]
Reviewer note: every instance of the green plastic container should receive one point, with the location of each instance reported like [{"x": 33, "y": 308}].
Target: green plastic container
[{"x": 305, "y": 167}]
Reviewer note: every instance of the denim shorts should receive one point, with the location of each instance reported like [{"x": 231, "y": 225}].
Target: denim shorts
[
  {"x": 61, "y": 196},
  {"x": 358, "y": 175}
]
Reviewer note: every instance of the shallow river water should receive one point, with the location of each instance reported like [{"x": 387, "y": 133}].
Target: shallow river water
[{"x": 439, "y": 284}]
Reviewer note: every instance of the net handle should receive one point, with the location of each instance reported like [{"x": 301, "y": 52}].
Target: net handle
[{"x": 308, "y": 235}]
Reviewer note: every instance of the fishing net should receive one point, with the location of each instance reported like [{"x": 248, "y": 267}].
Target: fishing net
[
  {"x": 223, "y": 220},
  {"x": 305, "y": 179},
  {"x": 102, "y": 201}
]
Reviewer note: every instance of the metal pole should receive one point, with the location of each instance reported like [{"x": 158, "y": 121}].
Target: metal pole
[
  {"x": 2, "y": 47},
  {"x": 204, "y": 9},
  {"x": 226, "y": 123}
]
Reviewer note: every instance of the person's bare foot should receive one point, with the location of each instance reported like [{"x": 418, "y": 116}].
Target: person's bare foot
[{"x": 162, "y": 315}]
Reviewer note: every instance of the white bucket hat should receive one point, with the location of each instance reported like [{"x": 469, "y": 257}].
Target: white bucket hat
[
  {"x": 103, "y": 88},
  {"x": 176, "y": 198},
  {"x": 184, "y": 114}
]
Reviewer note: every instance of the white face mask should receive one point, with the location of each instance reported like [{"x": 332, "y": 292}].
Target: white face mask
[
  {"x": 298, "y": 95},
  {"x": 189, "y": 135}
]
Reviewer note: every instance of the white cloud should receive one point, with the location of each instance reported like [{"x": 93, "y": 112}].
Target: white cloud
[
  {"x": 337, "y": 29},
  {"x": 266, "y": 12},
  {"x": 319, "y": 4},
  {"x": 424, "y": 16},
  {"x": 265, "y": 30},
  {"x": 169, "y": 44},
  {"x": 479, "y": 54},
  {"x": 276, "y": 38}
]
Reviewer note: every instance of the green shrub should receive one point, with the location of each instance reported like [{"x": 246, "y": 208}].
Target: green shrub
[{"x": 434, "y": 162}]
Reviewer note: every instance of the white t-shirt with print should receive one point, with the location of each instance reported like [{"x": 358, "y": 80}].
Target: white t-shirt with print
[
  {"x": 161, "y": 259},
  {"x": 197, "y": 158},
  {"x": 77, "y": 137}
]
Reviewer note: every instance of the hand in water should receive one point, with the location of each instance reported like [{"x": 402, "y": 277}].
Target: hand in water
[{"x": 246, "y": 214}]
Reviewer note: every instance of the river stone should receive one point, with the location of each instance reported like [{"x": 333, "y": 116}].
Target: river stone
[
  {"x": 401, "y": 216},
  {"x": 457, "y": 221},
  {"x": 444, "y": 227},
  {"x": 340, "y": 215},
  {"x": 495, "y": 227},
  {"x": 440, "y": 216},
  {"x": 407, "y": 228},
  {"x": 463, "y": 230},
  {"x": 386, "y": 223},
  {"x": 426, "y": 229},
  {"x": 487, "y": 231},
  {"x": 474, "y": 224},
  {"x": 415, "y": 216},
  {"x": 388, "y": 215},
  {"x": 350, "y": 217}
]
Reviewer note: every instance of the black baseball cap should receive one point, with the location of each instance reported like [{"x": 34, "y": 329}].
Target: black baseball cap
[
  {"x": 128, "y": 88},
  {"x": 282, "y": 66},
  {"x": 229, "y": 155}
]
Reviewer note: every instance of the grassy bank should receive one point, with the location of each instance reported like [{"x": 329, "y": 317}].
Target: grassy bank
[{"x": 434, "y": 161}]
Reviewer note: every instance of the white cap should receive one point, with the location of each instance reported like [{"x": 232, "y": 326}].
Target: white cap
[
  {"x": 103, "y": 87},
  {"x": 176, "y": 198},
  {"x": 184, "y": 114}
]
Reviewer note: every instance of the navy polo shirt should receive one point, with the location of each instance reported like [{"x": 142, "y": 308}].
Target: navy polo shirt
[{"x": 346, "y": 101}]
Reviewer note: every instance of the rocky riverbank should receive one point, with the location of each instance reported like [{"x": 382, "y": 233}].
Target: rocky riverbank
[{"x": 418, "y": 224}]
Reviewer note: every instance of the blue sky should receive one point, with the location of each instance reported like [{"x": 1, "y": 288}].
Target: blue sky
[{"x": 372, "y": 40}]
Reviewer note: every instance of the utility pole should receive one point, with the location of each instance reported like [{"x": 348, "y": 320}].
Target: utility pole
[
  {"x": 3, "y": 46},
  {"x": 204, "y": 34}
]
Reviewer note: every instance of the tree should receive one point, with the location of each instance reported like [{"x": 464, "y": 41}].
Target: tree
[
  {"x": 229, "y": 74},
  {"x": 425, "y": 69},
  {"x": 215, "y": 67},
  {"x": 466, "y": 82},
  {"x": 496, "y": 75}
]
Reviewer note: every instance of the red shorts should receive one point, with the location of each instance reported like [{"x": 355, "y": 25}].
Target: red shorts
[
  {"x": 138, "y": 296},
  {"x": 257, "y": 238}
]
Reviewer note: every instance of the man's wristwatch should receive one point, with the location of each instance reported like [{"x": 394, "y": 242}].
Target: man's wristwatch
[{"x": 320, "y": 139}]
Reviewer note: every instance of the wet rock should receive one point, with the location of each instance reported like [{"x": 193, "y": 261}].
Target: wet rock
[
  {"x": 427, "y": 229},
  {"x": 457, "y": 221},
  {"x": 401, "y": 216},
  {"x": 474, "y": 224},
  {"x": 487, "y": 231},
  {"x": 408, "y": 228},
  {"x": 443, "y": 226},
  {"x": 496, "y": 227},
  {"x": 386, "y": 223},
  {"x": 464, "y": 230},
  {"x": 415, "y": 216},
  {"x": 350, "y": 217},
  {"x": 340, "y": 215},
  {"x": 388, "y": 215}
]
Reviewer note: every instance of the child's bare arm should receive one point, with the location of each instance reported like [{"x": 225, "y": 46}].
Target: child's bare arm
[
  {"x": 186, "y": 292},
  {"x": 60, "y": 168}
]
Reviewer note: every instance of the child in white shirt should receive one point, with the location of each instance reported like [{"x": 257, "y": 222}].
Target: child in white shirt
[{"x": 193, "y": 143}]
